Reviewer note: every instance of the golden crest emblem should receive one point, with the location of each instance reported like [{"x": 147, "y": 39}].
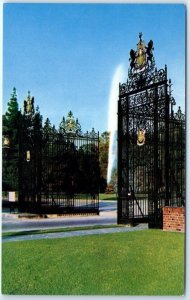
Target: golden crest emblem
[
  {"x": 141, "y": 137},
  {"x": 140, "y": 54},
  {"x": 6, "y": 142},
  {"x": 143, "y": 57}
]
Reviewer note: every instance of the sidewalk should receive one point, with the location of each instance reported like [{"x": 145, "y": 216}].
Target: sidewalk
[{"x": 73, "y": 233}]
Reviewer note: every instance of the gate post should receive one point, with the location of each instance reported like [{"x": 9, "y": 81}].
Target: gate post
[
  {"x": 38, "y": 166},
  {"x": 124, "y": 205},
  {"x": 119, "y": 163},
  {"x": 20, "y": 162},
  {"x": 167, "y": 142},
  {"x": 154, "y": 212}
]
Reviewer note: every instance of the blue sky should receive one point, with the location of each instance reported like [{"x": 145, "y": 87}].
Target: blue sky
[{"x": 67, "y": 54}]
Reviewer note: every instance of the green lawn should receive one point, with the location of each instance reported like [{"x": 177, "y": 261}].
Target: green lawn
[
  {"x": 107, "y": 197},
  {"x": 149, "y": 262}
]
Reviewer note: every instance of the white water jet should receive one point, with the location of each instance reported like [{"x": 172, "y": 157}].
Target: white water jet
[{"x": 112, "y": 119}]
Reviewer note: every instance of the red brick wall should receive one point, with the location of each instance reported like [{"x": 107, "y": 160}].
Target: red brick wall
[{"x": 174, "y": 218}]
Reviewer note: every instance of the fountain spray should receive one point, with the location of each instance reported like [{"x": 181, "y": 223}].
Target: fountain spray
[{"x": 112, "y": 119}]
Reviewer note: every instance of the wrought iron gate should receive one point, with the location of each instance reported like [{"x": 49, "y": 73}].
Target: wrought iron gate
[
  {"x": 147, "y": 142},
  {"x": 59, "y": 171}
]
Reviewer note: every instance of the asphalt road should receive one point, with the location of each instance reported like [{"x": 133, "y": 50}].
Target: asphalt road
[{"x": 107, "y": 216}]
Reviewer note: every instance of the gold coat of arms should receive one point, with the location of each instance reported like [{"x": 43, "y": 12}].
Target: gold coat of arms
[
  {"x": 143, "y": 56},
  {"x": 140, "y": 54}
]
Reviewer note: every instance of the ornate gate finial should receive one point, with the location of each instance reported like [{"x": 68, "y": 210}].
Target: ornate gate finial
[
  {"x": 140, "y": 36},
  {"x": 29, "y": 104},
  {"x": 71, "y": 125}
]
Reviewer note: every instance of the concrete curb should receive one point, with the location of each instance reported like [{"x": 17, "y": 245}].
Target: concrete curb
[{"x": 74, "y": 233}]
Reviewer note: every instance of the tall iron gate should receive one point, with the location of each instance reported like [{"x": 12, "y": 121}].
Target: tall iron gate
[
  {"x": 59, "y": 171},
  {"x": 151, "y": 143}
]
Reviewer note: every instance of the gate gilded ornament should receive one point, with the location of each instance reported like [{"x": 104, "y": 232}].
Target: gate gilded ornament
[
  {"x": 142, "y": 56},
  {"x": 141, "y": 137}
]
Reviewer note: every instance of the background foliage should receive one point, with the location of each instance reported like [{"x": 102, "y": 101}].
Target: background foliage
[{"x": 16, "y": 121}]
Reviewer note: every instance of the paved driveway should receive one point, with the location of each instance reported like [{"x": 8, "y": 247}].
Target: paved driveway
[{"x": 107, "y": 216}]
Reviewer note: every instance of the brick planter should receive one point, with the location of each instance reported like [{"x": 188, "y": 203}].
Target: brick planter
[{"x": 174, "y": 219}]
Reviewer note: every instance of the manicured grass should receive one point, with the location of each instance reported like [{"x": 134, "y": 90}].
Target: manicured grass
[
  {"x": 149, "y": 262},
  {"x": 107, "y": 197}
]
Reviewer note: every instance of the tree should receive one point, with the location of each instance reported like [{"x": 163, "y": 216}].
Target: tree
[
  {"x": 11, "y": 118},
  {"x": 103, "y": 159},
  {"x": 11, "y": 125},
  {"x": 113, "y": 181},
  {"x": 37, "y": 122},
  {"x": 30, "y": 147},
  {"x": 47, "y": 129},
  {"x": 62, "y": 126}
]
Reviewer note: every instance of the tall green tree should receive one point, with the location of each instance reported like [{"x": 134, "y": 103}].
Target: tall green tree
[
  {"x": 11, "y": 125},
  {"x": 11, "y": 118},
  {"x": 30, "y": 146},
  {"x": 47, "y": 128},
  {"x": 103, "y": 159},
  {"x": 62, "y": 126}
]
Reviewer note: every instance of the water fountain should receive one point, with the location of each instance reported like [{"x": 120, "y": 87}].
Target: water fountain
[{"x": 112, "y": 119}]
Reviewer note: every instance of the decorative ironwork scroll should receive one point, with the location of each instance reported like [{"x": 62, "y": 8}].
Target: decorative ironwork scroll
[{"x": 150, "y": 141}]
